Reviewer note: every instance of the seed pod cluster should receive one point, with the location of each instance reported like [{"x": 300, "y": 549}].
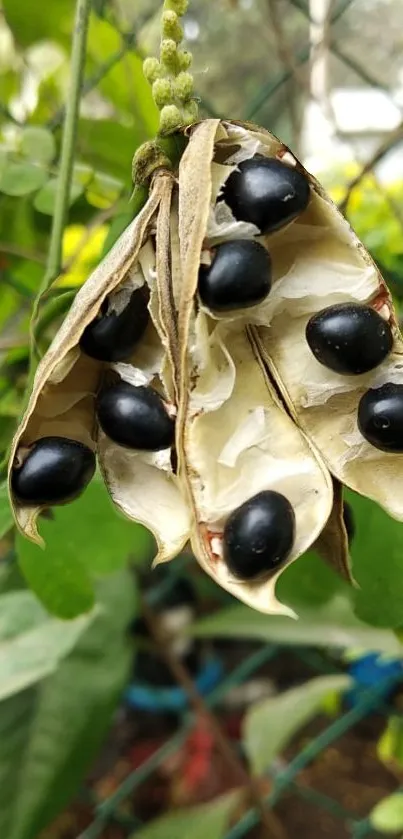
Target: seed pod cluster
[
  {"x": 106, "y": 387},
  {"x": 233, "y": 362}
]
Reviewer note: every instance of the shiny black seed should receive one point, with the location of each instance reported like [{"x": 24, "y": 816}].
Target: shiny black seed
[
  {"x": 349, "y": 523},
  {"x": 135, "y": 417},
  {"x": 259, "y": 535},
  {"x": 266, "y": 193},
  {"x": 380, "y": 417},
  {"x": 55, "y": 470},
  {"x": 113, "y": 337},
  {"x": 238, "y": 277},
  {"x": 349, "y": 338}
]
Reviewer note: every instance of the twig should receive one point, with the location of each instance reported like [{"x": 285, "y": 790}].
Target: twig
[
  {"x": 67, "y": 154},
  {"x": 269, "y": 820}
]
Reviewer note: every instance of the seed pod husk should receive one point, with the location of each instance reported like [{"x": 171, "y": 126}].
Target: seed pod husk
[
  {"x": 254, "y": 411},
  {"x": 67, "y": 381},
  {"x": 234, "y": 435},
  {"x": 317, "y": 262}
]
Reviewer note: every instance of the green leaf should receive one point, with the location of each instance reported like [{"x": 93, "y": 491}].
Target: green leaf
[
  {"x": 333, "y": 625},
  {"x": 45, "y": 199},
  {"x": 309, "y": 582},
  {"x": 387, "y": 816},
  {"x": 390, "y": 745},
  {"x": 38, "y": 144},
  {"x": 49, "y": 735},
  {"x": 31, "y": 642},
  {"x": 108, "y": 146},
  {"x": 270, "y": 724},
  {"x": 123, "y": 78},
  {"x": 207, "y": 820},
  {"x": 377, "y": 554},
  {"x": 22, "y": 178},
  {"x": 84, "y": 540},
  {"x": 52, "y": 21},
  {"x": 6, "y": 516}
]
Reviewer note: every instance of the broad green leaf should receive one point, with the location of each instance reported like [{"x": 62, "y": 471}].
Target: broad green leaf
[
  {"x": 309, "y": 582},
  {"x": 269, "y": 725},
  {"x": 109, "y": 146},
  {"x": 45, "y": 199},
  {"x": 377, "y": 554},
  {"x": 31, "y": 641},
  {"x": 124, "y": 84},
  {"x": 333, "y": 625},
  {"x": 22, "y": 178},
  {"x": 49, "y": 20},
  {"x": 83, "y": 540},
  {"x": 387, "y": 816},
  {"x": 6, "y": 517},
  {"x": 103, "y": 191},
  {"x": 207, "y": 820},
  {"x": 49, "y": 735},
  {"x": 38, "y": 144}
]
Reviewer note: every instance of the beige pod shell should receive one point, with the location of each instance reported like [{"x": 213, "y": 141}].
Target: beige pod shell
[
  {"x": 142, "y": 485},
  {"x": 235, "y": 437}
]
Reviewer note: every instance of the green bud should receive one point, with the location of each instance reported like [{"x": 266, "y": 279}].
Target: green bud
[
  {"x": 171, "y": 27},
  {"x": 151, "y": 69},
  {"x": 162, "y": 92},
  {"x": 184, "y": 59},
  {"x": 169, "y": 55},
  {"x": 178, "y": 6},
  {"x": 190, "y": 112},
  {"x": 170, "y": 119},
  {"x": 183, "y": 86}
]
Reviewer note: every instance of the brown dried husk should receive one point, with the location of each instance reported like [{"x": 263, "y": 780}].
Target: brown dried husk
[
  {"x": 66, "y": 381},
  {"x": 317, "y": 261},
  {"x": 237, "y": 382}
]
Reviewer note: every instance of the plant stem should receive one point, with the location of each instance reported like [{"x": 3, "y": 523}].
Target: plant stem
[{"x": 54, "y": 260}]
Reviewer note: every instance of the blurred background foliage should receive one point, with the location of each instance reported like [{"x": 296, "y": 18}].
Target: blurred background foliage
[{"x": 271, "y": 61}]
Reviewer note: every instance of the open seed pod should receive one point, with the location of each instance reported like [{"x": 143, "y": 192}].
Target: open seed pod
[
  {"x": 117, "y": 337},
  {"x": 239, "y": 446},
  {"x": 330, "y": 340}
]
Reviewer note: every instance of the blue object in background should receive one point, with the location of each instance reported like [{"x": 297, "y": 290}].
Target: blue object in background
[
  {"x": 373, "y": 669},
  {"x": 146, "y": 698}
]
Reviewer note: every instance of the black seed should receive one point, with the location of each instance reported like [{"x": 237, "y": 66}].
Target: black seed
[
  {"x": 349, "y": 522},
  {"x": 380, "y": 417},
  {"x": 55, "y": 470},
  {"x": 238, "y": 277},
  {"x": 259, "y": 535},
  {"x": 266, "y": 193},
  {"x": 349, "y": 338},
  {"x": 112, "y": 337},
  {"x": 135, "y": 417}
]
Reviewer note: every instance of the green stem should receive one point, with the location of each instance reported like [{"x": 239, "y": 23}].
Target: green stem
[{"x": 54, "y": 260}]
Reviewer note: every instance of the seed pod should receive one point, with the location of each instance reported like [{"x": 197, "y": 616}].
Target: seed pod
[
  {"x": 62, "y": 403},
  {"x": 235, "y": 438},
  {"x": 317, "y": 263}
]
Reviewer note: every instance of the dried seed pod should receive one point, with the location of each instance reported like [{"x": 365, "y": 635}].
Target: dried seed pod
[
  {"x": 317, "y": 264},
  {"x": 62, "y": 403},
  {"x": 236, "y": 439}
]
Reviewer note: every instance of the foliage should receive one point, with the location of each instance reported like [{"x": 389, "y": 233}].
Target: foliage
[
  {"x": 84, "y": 541},
  {"x": 269, "y": 724},
  {"x": 387, "y": 816},
  {"x": 51, "y": 731},
  {"x": 207, "y": 820}
]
